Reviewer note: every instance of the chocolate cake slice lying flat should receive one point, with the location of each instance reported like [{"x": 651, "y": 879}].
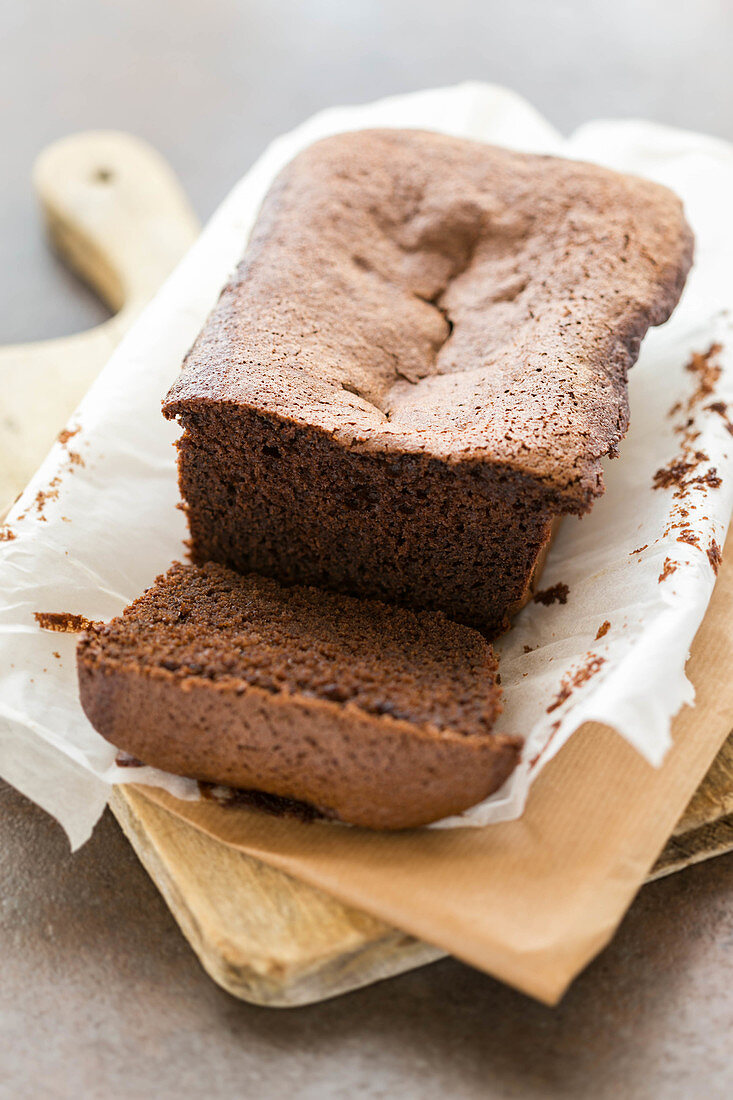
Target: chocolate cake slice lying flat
[
  {"x": 378, "y": 716},
  {"x": 419, "y": 364}
]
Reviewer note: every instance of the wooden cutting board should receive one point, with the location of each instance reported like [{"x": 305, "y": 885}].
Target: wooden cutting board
[{"x": 118, "y": 217}]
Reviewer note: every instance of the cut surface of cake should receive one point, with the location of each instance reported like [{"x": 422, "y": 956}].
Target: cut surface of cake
[
  {"x": 378, "y": 716},
  {"x": 418, "y": 366}
]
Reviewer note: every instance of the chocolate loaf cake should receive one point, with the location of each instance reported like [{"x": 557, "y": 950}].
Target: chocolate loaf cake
[
  {"x": 419, "y": 364},
  {"x": 376, "y": 715}
]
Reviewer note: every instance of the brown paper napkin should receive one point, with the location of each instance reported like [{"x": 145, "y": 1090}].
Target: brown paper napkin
[{"x": 529, "y": 901}]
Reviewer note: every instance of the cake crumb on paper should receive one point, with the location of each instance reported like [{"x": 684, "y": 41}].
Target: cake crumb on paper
[
  {"x": 721, "y": 408},
  {"x": 64, "y": 622},
  {"x": 574, "y": 680},
  {"x": 67, "y": 434},
  {"x": 715, "y": 556},
  {"x": 707, "y": 370},
  {"x": 557, "y": 594},
  {"x": 668, "y": 569}
]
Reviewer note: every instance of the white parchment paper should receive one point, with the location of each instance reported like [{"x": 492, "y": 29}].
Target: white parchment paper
[{"x": 106, "y": 521}]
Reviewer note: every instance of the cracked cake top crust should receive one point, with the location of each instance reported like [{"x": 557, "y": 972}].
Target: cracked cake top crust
[{"x": 411, "y": 292}]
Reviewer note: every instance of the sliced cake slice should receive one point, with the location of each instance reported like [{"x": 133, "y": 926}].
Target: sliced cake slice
[{"x": 376, "y": 715}]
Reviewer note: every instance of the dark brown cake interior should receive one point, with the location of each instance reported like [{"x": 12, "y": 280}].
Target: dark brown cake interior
[
  {"x": 404, "y": 529},
  {"x": 212, "y": 624}
]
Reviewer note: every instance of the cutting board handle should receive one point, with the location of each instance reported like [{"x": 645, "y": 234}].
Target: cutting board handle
[
  {"x": 115, "y": 212},
  {"x": 118, "y": 217}
]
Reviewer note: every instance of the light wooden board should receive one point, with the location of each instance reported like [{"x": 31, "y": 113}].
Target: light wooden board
[{"x": 117, "y": 215}]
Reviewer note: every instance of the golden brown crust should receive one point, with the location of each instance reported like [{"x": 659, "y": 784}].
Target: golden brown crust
[
  {"x": 412, "y": 292},
  {"x": 381, "y": 773}
]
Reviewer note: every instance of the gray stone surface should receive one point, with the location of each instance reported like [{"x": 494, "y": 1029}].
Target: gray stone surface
[
  {"x": 210, "y": 82},
  {"x": 100, "y": 996}
]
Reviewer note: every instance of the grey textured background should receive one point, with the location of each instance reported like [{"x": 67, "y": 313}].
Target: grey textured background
[
  {"x": 210, "y": 82},
  {"x": 99, "y": 994}
]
